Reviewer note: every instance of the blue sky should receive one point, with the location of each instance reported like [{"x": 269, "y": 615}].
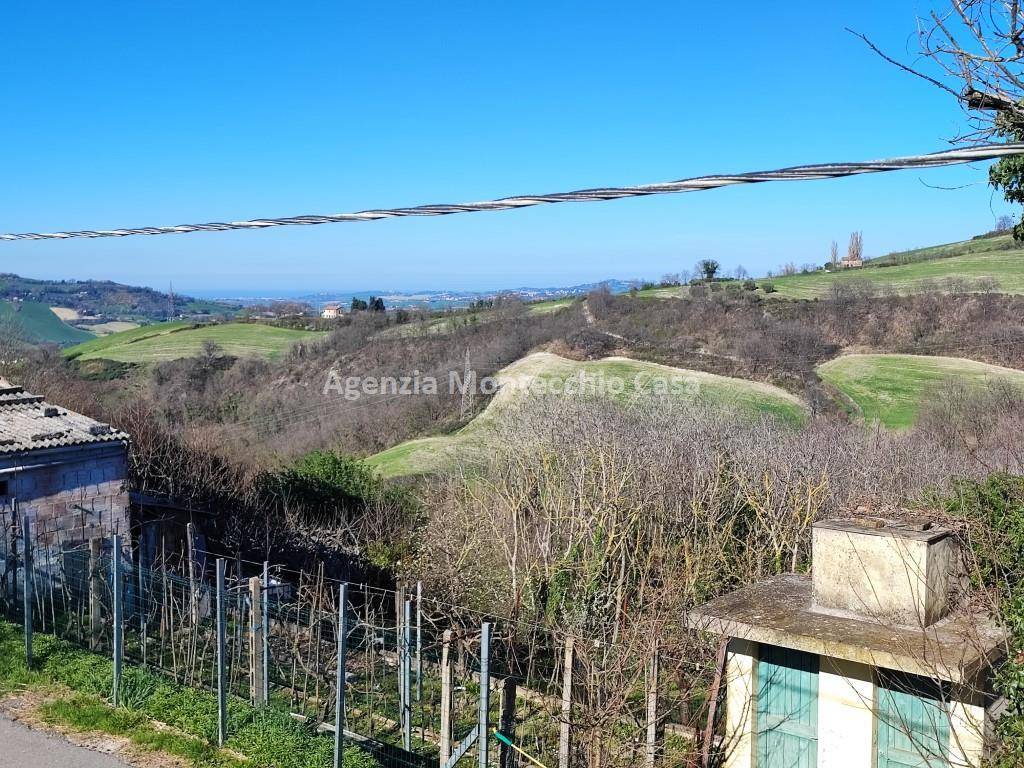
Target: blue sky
[{"x": 152, "y": 113}]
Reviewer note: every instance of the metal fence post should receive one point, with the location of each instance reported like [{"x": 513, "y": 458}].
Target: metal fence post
[
  {"x": 265, "y": 607},
  {"x": 406, "y": 676},
  {"x": 118, "y": 618},
  {"x": 256, "y": 636},
  {"x": 222, "y": 692},
  {"x": 339, "y": 695},
  {"x": 28, "y": 585},
  {"x": 419, "y": 657},
  {"x": 485, "y": 694},
  {"x": 140, "y": 601}
]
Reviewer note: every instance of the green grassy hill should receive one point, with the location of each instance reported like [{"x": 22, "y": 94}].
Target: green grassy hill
[
  {"x": 542, "y": 370},
  {"x": 170, "y": 341},
  {"x": 38, "y": 325},
  {"x": 891, "y": 388},
  {"x": 990, "y": 257}
]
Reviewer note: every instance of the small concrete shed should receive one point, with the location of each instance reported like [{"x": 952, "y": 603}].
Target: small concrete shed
[{"x": 865, "y": 663}]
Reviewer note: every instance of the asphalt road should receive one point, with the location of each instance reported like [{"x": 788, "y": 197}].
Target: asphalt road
[{"x": 26, "y": 748}]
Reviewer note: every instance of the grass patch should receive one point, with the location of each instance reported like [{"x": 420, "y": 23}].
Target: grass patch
[
  {"x": 171, "y": 341},
  {"x": 891, "y": 388},
  {"x": 39, "y": 325},
  {"x": 993, "y": 258},
  {"x": 265, "y": 737},
  {"x": 91, "y": 714},
  {"x": 639, "y": 380}
]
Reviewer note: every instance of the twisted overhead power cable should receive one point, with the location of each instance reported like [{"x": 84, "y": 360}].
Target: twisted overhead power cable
[{"x": 699, "y": 183}]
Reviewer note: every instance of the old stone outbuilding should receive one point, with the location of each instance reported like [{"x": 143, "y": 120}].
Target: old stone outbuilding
[{"x": 64, "y": 472}]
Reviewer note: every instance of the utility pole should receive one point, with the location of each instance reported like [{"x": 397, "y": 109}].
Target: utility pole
[{"x": 468, "y": 385}]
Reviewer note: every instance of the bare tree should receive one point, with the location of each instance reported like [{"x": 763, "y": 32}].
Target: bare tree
[
  {"x": 973, "y": 50},
  {"x": 1004, "y": 223},
  {"x": 855, "y": 250},
  {"x": 833, "y": 254}
]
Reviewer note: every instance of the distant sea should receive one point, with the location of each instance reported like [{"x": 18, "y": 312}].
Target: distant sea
[{"x": 393, "y": 297}]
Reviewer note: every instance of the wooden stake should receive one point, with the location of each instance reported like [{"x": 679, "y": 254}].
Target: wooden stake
[
  {"x": 118, "y": 619},
  {"x": 446, "y": 697},
  {"x": 95, "y": 595},
  {"x": 28, "y": 586},
  {"x": 652, "y": 711},
  {"x": 507, "y": 721},
  {"x": 716, "y": 685},
  {"x": 565, "y": 734}
]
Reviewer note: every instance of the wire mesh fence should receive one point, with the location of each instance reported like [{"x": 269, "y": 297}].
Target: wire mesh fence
[{"x": 423, "y": 683}]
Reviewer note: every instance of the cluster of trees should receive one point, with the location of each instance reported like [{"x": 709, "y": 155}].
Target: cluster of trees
[{"x": 375, "y": 304}]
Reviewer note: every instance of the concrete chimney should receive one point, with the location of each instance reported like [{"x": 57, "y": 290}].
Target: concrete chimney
[{"x": 893, "y": 571}]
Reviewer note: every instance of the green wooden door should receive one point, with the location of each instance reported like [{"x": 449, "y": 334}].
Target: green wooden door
[
  {"x": 911, "y": 724},
  {"x": 787, "y": 709}
]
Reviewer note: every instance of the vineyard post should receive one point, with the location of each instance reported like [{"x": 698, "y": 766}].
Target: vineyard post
[
  {"x": 652, "y": 710},
  {"x": 507, "y": 721},
  {"x": 446, "y": 697},
  {"x": 222, "y": 693},
  {"x": 265, "y": 608},
  {"x": 406, "y": 676},
  {"x": 140, "y": 602},
  {"x": 565, "y": 727},
  {"x": 339, "y": 696},
  {"x": 118, "y": 617},
  {"x": 256, "y": 639},
  {"x": 419, "y": 656},
  {"x": 484, "y": 723},
  {"x": 28, "y": 585},
  {"x": 95, "y": 594}
]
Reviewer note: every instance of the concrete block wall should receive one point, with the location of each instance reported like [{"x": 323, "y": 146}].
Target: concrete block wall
[{"x": 70, "y": 494}]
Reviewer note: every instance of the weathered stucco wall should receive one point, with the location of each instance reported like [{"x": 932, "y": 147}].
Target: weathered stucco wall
[
  {"x": 740, "y": 695},
  {"x": 846, "y": 715},
  {"x": 895, "y": 578}
]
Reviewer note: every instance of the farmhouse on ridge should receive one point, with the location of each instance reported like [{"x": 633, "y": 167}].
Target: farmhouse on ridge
[
  {"x": 866, "y": 663},
  {"x": 62, "y": 471},
  {"x": 331, "y": 311}
]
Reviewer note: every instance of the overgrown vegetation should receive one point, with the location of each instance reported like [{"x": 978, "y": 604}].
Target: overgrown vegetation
[
  {"x": 264, "y": 737},
  {"x": 989, "y": 514}
]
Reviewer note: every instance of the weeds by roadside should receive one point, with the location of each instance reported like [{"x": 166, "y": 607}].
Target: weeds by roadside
[{"x": 259, "y": 737}]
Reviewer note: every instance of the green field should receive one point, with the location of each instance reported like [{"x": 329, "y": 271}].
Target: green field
[
  {"x": 890, "y": 388},
  {"x": 551, "y": 306},
  {"x": 974, "y": 259},
  {"x": 996, "y": 257},
  {"x": 170, "y": 341},
  {"x": 38, "y": 325},
  {"x": 548, "y": 372}
]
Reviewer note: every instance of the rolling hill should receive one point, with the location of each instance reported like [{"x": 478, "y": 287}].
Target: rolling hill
[
  {"x": 37, "y": 324},
  {"x": 170, "y": 341},
  {"x": 105, "y": 299},
  {"x": 996, "y": 258},
  {"x": 549, "y": 372},
  {"x": 891, "y": 388}
]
